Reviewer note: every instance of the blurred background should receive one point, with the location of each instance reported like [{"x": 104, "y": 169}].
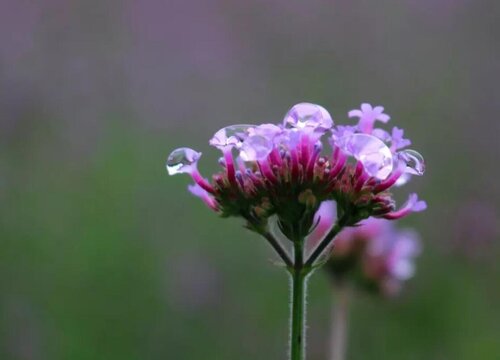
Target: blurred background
[{"x": 103, "y": 256}]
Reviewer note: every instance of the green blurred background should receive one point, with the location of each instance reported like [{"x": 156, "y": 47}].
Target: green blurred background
[{"x": 103, "y": 256}]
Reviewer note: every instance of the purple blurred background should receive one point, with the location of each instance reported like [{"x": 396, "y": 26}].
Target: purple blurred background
[{"x": 103, "y": 256}]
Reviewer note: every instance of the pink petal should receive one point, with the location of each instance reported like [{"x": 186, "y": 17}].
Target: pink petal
[
  {"x": 355, "y": 113},
  {"x": 366, "y": 107}
]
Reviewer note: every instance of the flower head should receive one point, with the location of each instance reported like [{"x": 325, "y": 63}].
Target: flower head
[
  {"x": 284, "y": 169},
  {"x": 375, "y": 256}
]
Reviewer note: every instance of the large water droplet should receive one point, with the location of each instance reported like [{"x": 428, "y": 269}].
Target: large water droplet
[
  {"x": 307, "y": 115},
  {"x": 255, "y": 148},
  {"x": 230, "y": 136},
  {"x": 375, "y": 156},
  {"x": 415, "y": 163},
  {"x": 182, "y": 160},
  {"x": 269, "y": 131}
]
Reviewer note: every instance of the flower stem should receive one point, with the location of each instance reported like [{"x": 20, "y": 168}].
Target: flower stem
[
  {"x": 320, "y": 249},
  {"x": 340, "y": 317},
  {"x": 297, "y": 331},
  {"x": 278, "y": 248},
  {"x": 275, "y": 243}
]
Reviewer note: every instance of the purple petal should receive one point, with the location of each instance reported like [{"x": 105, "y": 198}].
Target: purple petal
[
  {"x": 196, "y": 190},
  {"x": 419, "y": 206},
  {"x": 355, "y": 113},
  {"x": 383, "y": 117},
  {"x": 365, "y": 107},
  {"x": 411, "y": 205}
]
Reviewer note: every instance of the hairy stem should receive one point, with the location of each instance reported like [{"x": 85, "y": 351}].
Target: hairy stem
[
  {"x": 340, "y": 318},
  {"x": 276, "y": 245},
  {"x": 320, "y": 249},
  {"x": 297, "y": 331},
  {"x": 278, "y": 248}
]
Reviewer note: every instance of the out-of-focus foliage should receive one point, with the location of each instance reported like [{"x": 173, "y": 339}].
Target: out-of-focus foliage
[{"x": 103, "y": 256}]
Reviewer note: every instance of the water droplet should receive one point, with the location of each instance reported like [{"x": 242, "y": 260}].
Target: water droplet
[
  {"x": 415, "y": 163},
  {"x": 255, "y": 148},
  {"x": 375, "y": 156},
  {"x": 269, "y": 131},
  {"x": 307, "y": 115},
  {"x": 230, "y": 136},
  {"x": 182, "y": 160},
  {"x": 289, "y": 139}
]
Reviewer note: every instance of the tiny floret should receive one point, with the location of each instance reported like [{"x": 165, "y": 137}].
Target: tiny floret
[
  {"x": 397, "y": 140},
  {"x": 286, "y": 169},
  {"x": 208, "y": 199},
  {"x": 368, "y": 115},
  {"x": 411, "y": 205}
]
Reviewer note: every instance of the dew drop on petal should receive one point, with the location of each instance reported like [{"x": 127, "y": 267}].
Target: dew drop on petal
[
  {"x": 269, "y": 131},
  {"x": 289, "y": 139},
  {"x": 182, "y": 160},
  {"x": 230, "y": 136},
  {"x": 255, "y": 148},
  {"x": 307, "y": 115},
  {"x": 415, "y": 163},
  {"x": 375, "y": 156}
]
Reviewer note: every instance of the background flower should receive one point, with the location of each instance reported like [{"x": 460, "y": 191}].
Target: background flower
[{"x": 376, "y": 256}]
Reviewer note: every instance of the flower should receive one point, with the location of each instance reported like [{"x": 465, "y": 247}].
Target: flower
[
  {"x": 198, "y": 191},
  {"x": 368, "y": 115},
  {"x": 185, "y": 161},
  {"x": 277, "y": 178},
  {"x": 411, "y": 205},
  {"x": 279, "y": 169},
  {"x": 375, "y": 256},
  {"x": 397, "y": 140}
]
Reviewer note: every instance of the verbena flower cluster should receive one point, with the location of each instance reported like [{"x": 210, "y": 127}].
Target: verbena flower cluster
[
  {"x": 374, "y": 256},
  {"x": 288, "y": 169}
]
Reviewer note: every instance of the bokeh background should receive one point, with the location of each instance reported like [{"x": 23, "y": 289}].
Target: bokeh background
[{"x": 103, "y": 256}]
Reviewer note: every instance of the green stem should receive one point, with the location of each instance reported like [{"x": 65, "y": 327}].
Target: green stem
[
  {"x": 299, "y": 272},
  {"x": 340, "y": 319},
  {"x": 278, "y": 248},
  {"x": 297, "y": 331},
  {"x": 276, "y": 245},
  {"x": 320, "y": 249}
]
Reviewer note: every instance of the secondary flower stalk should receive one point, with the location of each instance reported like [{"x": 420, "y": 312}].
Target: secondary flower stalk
[
  {"x": 276, "y": 176},
  {"x": 374, "y": 257}
]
